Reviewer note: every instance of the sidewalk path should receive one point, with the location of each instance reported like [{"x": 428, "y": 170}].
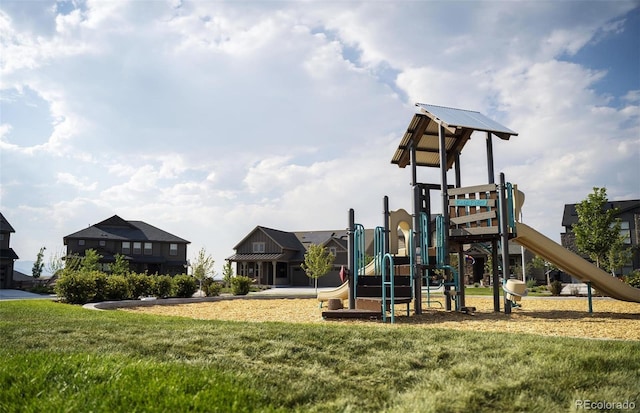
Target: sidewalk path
[{"x": 23, "y": 295}]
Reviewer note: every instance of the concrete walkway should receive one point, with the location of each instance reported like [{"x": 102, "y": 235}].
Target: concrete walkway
[{"x": 24, "y": 295}]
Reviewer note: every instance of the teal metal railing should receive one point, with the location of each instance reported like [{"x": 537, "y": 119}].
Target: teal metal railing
[{"x": 390, "y": 283}]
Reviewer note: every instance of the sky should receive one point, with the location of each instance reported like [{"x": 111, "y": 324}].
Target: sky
[{"x": 209, "y": 118}]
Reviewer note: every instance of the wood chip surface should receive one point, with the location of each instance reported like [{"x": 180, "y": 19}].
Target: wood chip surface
[{"x": 566, "y": 317}]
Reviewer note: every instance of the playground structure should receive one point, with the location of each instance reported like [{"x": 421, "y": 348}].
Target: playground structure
[{"x": 487, "y": 214}]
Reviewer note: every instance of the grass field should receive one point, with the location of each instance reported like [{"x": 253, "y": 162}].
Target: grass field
[{"x": 57, "y": 357}]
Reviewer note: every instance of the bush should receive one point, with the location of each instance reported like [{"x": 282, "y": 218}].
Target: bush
[
  {"x": 41, "y": 289},
  {"x": 184, "y": 285},
  {"x": 76, "y": 287},
  {"x": 117, "y": 288},
  {"x": 161, "y": 286},
  {"x": 633, "y": 278},
  {"x": 531, "y": 283},
  {"x": 139, "y": 285},
  {"x": 100, "y": 282},
  {"x": 210, "y": 287},
  {"x": 555, "y": 287},
  {"x": 240, "y": 285}
]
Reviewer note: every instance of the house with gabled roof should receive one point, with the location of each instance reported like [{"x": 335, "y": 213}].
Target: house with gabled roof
[
  {"x": 274, "y": 257},
  {"x": 7, "y": 254},
  {"x": 147, "y": 248}
]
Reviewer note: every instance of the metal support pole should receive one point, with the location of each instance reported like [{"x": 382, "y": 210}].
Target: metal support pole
[
  {"x": 495, "y": 280},
  {"x": 417, "y": 284},
  {"x": 590, "y": 297},
  {"x": 351, "y": 258},
  {"x": 445, "y": 203},
  {"x": 387, "y": 233},
  {"x": 461, "y": 279},
  {"x": 492, "y": 176},
  {"x": 504, "y": 235}
]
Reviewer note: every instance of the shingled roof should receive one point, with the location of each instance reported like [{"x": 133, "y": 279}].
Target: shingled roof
[
  {"x": 4, "y": 225},
  {"x": 118, "y": 229}
]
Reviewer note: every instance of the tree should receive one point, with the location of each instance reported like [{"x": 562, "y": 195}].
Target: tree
[
  {"x": 540, "y": 263},
  {"x": 597, "y": 230},
  {"x": 120, "y": 266},
  {"x": 55, "y": 264},
  {"x": 202, "y": 266},
  {"x": 617, "y": 256},
  {"x": 227, "y": 274},
  {"x": 36, "y": 271},
  {"x": 317, "y": 262},
  {"x": 91, "y": 260}
]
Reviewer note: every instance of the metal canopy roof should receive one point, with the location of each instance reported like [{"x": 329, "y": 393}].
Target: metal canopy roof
[{"x": 458, "y": 125}]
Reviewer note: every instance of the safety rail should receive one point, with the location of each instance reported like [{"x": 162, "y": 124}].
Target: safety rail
[
  {"x": 441, "y": 255},
  {"x": 425, "y": 243},
  {"x": 474, "y": 211},
  {"x": 388, "y": 257},
  {"x": 378, "y": 247},
  {"x": 359, "y": 254}
]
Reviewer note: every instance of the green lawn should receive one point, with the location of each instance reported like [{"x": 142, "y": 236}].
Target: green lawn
[{"x": 57, "y": 357}]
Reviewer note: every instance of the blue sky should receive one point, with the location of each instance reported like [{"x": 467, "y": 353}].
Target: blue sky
[{"x": 209, "y": 118}]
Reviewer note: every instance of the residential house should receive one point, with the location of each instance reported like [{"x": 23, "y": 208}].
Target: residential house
[
  {"x": 7, "y": 255},
  {"x": 629, "y": 215},
  {"x": 147, "y": 248},
  {"x": 273, "y": 257}
]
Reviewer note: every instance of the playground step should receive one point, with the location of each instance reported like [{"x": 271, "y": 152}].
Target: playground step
[
  {"x": 375, "y": 303},
  {"x": 375, "y": 291},
  {"x": 377, "y": 280}
]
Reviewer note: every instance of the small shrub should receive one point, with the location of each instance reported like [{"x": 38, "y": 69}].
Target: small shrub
[
  {"x": 555, "y": 287},
  {"x": 41, "y": 289},
  {"x": 633, "y": 278},
  {"x": 476, "y": 285},
  {"x": 211, "y": 288},
  {"x": 531, "y": 283},
  {"x": 184, "y": 285},
  {"x": 240, "y": 285},
  {"x": 117, "y": 288},
  {"x": 139, "y": 285},
  {"x": 76, "y": 287},
  {"x": 161, "y": 286}
]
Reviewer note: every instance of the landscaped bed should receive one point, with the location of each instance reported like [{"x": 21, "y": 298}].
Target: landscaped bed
[{"x": 565, "y": 317}]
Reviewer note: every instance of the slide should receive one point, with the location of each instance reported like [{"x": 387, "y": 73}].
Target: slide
[
  {"x": 342, "y": 292},
  {"x": 575, "y": 265}
]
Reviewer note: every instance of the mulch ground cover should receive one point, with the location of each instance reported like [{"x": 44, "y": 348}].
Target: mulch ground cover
[{"x": 566, "y": 317}]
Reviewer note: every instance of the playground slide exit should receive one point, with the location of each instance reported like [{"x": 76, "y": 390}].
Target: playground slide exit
[
  {"x": 342, "y": 292},
  {"x": 575, "y": 265}
]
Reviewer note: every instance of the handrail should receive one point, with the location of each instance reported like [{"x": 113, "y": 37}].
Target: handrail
[
  {"x": 388, "y": 257},
  {"x": 358, "y": 253},
  {"x": 378, "y": 247}
]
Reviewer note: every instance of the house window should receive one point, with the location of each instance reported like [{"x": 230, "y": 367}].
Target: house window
[
  {"x": 103, "y": 243},
  {"x": 148, "y": 248},
  {"x": 258, "y": 247},
  {"x": 137, "y": 248},
  {"x": 81, "y": 242},
  {"x": 126, "y": 247},
  {"x": 625, "y": 232},
  {"x": 333, "y": 251},
  {"x": 1, "y": 237},
  {"x": 173, "y": 249}
]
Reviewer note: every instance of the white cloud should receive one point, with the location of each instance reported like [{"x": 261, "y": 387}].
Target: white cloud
[{"x": 209, "y": 118}]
